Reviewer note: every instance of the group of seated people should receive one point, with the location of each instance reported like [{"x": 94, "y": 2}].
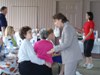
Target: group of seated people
[
  {"x": 34, "y": 59},
  {"x": 32, "y": 50},
  {"x": 7, "y": 43},
  {"x": 8, "y": 38},
  {"x": 32, "y": 56}
]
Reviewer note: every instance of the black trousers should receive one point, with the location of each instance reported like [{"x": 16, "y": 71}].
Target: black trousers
[
  {"x": 88, "y": 46},
  {"x": 28, "y": 68}
]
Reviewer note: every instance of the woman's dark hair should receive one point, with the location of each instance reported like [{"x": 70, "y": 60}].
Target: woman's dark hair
[
  {"x": 23, "y": 31},
  {"x": 50, "y": 31},
  {"x": 91, "y": 15},
  {"x": 3, "y": 8},
  {"x": 60, "y": 16}
]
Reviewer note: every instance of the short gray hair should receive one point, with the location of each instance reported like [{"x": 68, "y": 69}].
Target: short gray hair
[{"x": 43, "y": 34}]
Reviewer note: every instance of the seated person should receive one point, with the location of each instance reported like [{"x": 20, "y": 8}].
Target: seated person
[
  {"x": 29, "y": 63},
  {"x": 51, "y": 37},
  {"x": 9, "y": 37},
  {"x": 42, "y": 47},
  {"x": 56, "y": 56}
]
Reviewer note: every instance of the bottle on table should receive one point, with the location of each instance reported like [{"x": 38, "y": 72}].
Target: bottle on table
[
  {"x": 5, "y": 50},
  {"x": 10, "y": 45}
]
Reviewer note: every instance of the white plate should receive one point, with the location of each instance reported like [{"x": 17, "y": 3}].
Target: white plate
[{"x": 15, "y": 48}]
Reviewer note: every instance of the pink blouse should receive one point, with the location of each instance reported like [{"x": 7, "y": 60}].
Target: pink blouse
[{"x": 41, "y": 48}]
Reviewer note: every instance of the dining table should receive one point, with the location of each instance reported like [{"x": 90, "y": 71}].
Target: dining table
[{"x": 9, "y": 64}]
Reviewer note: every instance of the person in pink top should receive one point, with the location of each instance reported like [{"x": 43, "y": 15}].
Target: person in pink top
[{"x": 42, "y": 47}]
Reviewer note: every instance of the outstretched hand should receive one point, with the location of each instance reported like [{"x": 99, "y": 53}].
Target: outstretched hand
[{"x": 51, "y": 51}]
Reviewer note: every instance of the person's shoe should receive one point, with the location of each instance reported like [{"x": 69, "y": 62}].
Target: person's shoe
[
  {"x": 77, "y": 73},
  {"x": 84, "y": 65},
  {"x": 89, "y": 66}
]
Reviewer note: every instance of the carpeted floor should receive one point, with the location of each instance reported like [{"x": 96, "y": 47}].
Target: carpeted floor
[{"x": 83, "y": 71}]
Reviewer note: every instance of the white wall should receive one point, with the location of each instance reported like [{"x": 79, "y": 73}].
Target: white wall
[
  {"x": 36, "y": 12},
  {"x": 88, "y": 6}
]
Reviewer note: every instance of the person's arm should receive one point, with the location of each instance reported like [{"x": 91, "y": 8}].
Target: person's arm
[
  {"x": 80, "y": 30},
  {"x": 2, "y": 24},
  {"x": 33, "y": 57},
  {"x": 35, "y": 47},
  {"x": 68, "y": 38},
  {"x": 90, "y": 32},
  {"x": 68, "y": 35},
  {"x": 5, "y": 40},
  {"x": 3, "y": 30}
]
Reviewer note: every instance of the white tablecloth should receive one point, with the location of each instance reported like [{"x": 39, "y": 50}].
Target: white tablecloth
[
  {"x": 11, "y": 60},
  {"x": 96, "y": 48}
]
